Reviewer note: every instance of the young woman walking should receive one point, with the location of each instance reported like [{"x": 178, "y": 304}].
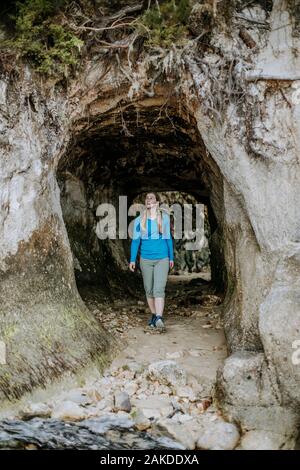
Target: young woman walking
[{"x": 151, "y": 233}]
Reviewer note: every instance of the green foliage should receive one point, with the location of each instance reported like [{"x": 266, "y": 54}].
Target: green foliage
[
  {"x": 166, "y": 23},
  {"x": 40, "y": 38}
]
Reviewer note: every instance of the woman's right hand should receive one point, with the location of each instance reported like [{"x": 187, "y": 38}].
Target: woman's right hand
[{"x": 132, "y": 266}]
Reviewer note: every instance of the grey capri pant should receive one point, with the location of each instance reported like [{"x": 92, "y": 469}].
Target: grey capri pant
[{"x": 155, "y": 275}]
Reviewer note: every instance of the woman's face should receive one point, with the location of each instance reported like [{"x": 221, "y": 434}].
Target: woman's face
[{"x": 150, "y": 200}]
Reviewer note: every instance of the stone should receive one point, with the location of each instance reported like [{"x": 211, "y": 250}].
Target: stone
[
  {"x": 93, "y": 394},
  {"x": 33, "y": 410},
  {"x": 131, "y": 388},
  {"x": 244, "y": 380},
  {"x": 167, "y": 372},
  {"x": 184, "y": 430},
  {"x": 68, "y": 411},
  {"x": 103, "y": 404},
  {"x": 123, "y": 414},
  {"x": 78, "y": 396},
  {"x": 135, "y": 367},
  {"x": 183, "y": 418},
  {"x": 151, "y": 413},
  {"x": 263, "y": 440},
  {"x": 140, "y": 420},
  {"x": 154, "y": 406},
  {"x": 102, "y": 424},
  {"x": 127, "y": 374},
  {"x": 279, "y": 326},
  {"x": 218, "y": 435},
  {"x": 185, "y": 392},
  {"x": 163, "y": 390},
  {"x": 250, "y": 396},
  {"x": 122, "y": 401},
  {"x": 141, "y": 395}
]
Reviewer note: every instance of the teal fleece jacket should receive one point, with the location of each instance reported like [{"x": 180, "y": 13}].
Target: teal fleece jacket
[{"x": 152, "y": 244}]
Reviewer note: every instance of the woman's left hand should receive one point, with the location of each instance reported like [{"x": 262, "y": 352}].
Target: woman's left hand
[{"x": 171, "y": 264}]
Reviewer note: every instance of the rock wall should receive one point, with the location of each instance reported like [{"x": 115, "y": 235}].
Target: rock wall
[
  {"x": 257, "y": 151},
  {"x": 46, "y": 328}
]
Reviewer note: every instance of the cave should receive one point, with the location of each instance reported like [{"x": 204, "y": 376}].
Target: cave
[{"x": 129, "y": 152}]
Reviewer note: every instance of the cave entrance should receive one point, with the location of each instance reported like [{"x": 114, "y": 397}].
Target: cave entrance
[{"x": 132, "y": 150}]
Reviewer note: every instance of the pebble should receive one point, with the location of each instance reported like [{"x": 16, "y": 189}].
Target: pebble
[
  {"x": 167, "y": 372},
  {"x": 122, "y": 402}
]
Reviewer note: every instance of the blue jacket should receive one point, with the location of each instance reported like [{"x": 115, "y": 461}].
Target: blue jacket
[{"x": 152, "y": 244}]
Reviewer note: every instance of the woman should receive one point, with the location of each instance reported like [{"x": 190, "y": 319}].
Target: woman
[{"x": 151, "y": 233}]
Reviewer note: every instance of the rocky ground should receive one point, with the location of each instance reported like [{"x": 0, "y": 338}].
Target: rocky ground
[{"x": 161, "y": 383}]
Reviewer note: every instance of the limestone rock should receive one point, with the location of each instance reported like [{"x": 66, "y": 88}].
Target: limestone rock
[
  {"x": 263, "y": 440},
  {"x": 33, "y": 410},
  {"x": 78, "y": 396},
  {"x": 250, "y": 396},
  {"x": 167, "y": 373},
  {"x": 244, "y": 380},
  {"x": 135, "y": 367},
  {"x": 93, "y": 394},
  {"x": 185, "y": 392},
  {"x": 154, "y": 406},
  {"x": 106, "y": 422},
  {"x": 131, "y": 388},
  {"x": 122, "y": 401},
  {"x": 185, "y": 434},
  {"x": 141, "y": 421},
  {"x": 218, "y": 435},
  {"x": 68, "y": 411}
]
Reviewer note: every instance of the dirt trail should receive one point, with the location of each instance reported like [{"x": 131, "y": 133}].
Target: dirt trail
[
  {"x": 194, "y": 336},
  {"x": 167, "y": 400}
]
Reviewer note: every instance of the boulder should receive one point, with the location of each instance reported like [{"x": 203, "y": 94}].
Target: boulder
[
  {"x": 250, "y": 396},
  {"x": 218, "y": 435},
  {"x": 263, "y": 440},
  {"x": 184, "y": 433}
]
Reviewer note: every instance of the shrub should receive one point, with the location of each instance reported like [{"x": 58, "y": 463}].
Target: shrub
[
  {"x": 166, "y": 23},
  {"x": 39, "y": 37}
]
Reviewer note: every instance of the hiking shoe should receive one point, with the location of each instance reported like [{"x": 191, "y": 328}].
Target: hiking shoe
[
  {"x": 159, "y": 322},
  {"x": 151, "y": 322}
]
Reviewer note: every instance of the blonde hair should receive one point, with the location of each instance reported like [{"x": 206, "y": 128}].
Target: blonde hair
[{"x": 158, "y": 216}]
